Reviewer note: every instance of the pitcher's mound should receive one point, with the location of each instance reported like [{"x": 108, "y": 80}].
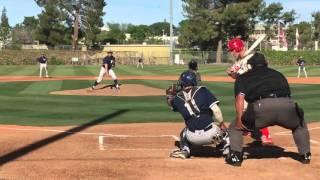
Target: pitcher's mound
[{"x": 106, "y": 90}]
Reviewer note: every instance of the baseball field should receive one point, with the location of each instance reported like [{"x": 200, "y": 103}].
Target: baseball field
[{"x": 55, "y": 128}]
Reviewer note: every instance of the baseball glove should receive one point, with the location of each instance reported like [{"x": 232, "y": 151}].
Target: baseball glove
[{"x": 171, "y": 91}]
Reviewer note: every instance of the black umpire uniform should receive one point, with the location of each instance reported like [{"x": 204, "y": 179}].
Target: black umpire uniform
[{"x": 269, "y": 103}]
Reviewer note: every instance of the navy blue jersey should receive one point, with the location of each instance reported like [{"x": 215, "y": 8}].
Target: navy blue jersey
[
  {"x": 301, "y": 62},
  {"x": 42, "y": 60},
  {"x": 195, "y": 107},
  {"x": 110, "y": 61}
]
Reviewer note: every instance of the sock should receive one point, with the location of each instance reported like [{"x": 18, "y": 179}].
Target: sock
[{"x": 265, "y": 132}]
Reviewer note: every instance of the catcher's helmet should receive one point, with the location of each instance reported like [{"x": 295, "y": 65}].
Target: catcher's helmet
[
  {"x": 188, "y": 78},
  {"x": 235, "y": 44},
  {"x": 193, "y": 65}
]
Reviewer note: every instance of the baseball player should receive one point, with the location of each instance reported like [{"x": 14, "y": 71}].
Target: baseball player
[
  {"x": 237, "y": 48},
  {"x": 196, "y": 105},
  {"x": 301, "y": 66},
  {"x": 43, "y": 64},
  {"x": 140, "y": 63},
  {"x": 193, "y": 66},
  {"x": 106, "y": 69},
  {"x": 269, "y": 103}
]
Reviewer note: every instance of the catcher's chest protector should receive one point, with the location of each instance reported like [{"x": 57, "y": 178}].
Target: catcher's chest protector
[{"x": 189, "y": 101}]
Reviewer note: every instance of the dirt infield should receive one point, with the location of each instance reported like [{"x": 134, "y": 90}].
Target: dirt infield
[
  {"x": 293, "y": 80},
  {"x": 140, "y": 151},
  {"x": 106, "y": 90}
]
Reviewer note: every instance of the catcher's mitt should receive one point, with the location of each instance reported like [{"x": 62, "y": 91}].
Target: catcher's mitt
[{"x": 171, "y": 91}]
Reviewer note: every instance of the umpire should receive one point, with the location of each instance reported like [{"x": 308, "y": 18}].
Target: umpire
[{"x": 269, "y": 103}]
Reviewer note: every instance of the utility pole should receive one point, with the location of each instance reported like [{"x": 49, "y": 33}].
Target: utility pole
[
  {"x": 75, "y": 30},
  {"x": 171, "y": 34}
]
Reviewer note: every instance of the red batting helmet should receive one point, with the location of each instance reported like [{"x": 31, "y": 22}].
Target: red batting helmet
[{"x": 235, "y": 44}]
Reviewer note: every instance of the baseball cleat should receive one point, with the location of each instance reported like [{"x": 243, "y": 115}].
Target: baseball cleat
[
  {"x": 234, "y": 158},
  {"x": 92, "y": 88},
  {"x": 306, "y": 158},
  {"x": 183, "y": 154}
]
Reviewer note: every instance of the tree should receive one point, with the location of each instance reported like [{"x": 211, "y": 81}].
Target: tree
[
  {"x": 139, "y": 33},
  {"x": 4, "y": 27},
  {"x": 115, "y": 35},
  {"x": 51, "y": 30},
  {"x": 289, "y": 17},
  {"x": 272, "y": 14},
  {"x": 210, "y": 22},
  {"x": 20, "y": 35},
  {"x": 92, "y": 22},
  {"x": 316, "y": 24},
  {"x": 84, "y": 16},
  {"x": 160, "y": 28}
]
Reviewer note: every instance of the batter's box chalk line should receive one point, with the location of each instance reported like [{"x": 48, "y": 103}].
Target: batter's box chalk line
[
  {"x": 102, "y": 144},
  {"x": 289, "y": 133}
]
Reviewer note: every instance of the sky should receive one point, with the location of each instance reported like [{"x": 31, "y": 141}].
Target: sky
[{"x": 145, "y": 11}]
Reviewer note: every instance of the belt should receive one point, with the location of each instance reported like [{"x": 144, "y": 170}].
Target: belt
[
  {"x": 205, "y": 129},
  {"x": 272, "y": 96}
]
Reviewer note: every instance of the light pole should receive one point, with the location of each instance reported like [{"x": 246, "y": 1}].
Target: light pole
[{"x": 171, "y": 34}]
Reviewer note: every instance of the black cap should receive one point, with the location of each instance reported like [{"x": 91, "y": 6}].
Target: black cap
[
  {"x": 193, "y": 65},
  {"x": 258, "y": 60}
]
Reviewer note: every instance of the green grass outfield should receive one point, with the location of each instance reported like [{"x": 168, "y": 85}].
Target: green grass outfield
[
  {"x": 29, "y": 103},
  {"x": 213, "y": 70}
]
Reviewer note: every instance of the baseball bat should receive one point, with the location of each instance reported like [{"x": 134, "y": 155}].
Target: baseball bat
[{"x": 255, "y": 44}]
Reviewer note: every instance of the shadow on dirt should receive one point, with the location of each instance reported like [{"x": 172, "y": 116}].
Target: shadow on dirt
[
  {"x": 252, "y": 150},
  {"x": 257, "y": 151},
  {"x": 44, "y": 142}
]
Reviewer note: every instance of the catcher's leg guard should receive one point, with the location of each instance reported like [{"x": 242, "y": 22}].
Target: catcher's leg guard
[{"x": 224, "y": 144}]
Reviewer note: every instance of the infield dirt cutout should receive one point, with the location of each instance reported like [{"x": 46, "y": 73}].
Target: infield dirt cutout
[{"x": 108, "y": 90}]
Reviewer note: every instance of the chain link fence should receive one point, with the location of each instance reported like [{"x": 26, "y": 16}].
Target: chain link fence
[{"x": 202, "y": 57}]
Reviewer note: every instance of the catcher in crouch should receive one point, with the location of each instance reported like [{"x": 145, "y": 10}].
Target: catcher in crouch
[
  {"x": 237, "y": 49},
  {"x": 197, "y": 104}
]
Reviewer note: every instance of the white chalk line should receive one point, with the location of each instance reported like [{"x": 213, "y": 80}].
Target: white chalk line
[
  {"x": 88, "y": 133},
  {"x": 286, "y": 133},
  {"x": 138, "y": 149},
  {"x": 102, "y": 145}
]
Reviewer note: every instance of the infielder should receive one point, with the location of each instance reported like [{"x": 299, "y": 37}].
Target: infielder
[
  {"x": 237, "y": 48},
  {"x": 140, "y": 63},
  {"x": 196, "y": 105},
  {"x": 43, "y": 64},
  {"x": 301, "y": 66},
  {"x": 106, "y": 69},
  {"x": 193, "y": 66}
]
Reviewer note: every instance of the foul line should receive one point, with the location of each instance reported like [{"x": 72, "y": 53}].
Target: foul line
[{"x": 88, "y": 133}]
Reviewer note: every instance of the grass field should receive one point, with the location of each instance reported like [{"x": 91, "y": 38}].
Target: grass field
[
  {"x": 212, "y": 70},
  {"x": 29, "y": 103}
]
